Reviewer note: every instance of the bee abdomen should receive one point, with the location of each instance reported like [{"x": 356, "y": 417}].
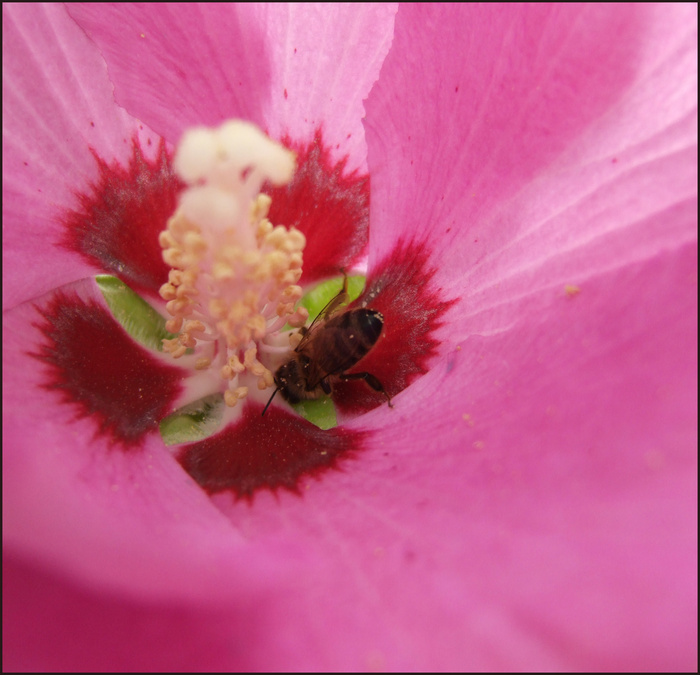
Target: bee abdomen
[
  {"x": 348, "y": 337},
  {"x": 369, "y": 323}
]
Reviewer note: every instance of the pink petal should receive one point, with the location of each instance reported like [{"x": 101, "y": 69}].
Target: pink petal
[
  {"x": 557, "y": 532},
  {"x": 57, "y": 625},
  {"x": 555, "y": 144},
  {"x": 530, "y": 503},
  {"x": 57, "y": 103},
  {"x": 288, "y": 68},
  {"x": 578, "y": 319},
  {"x": 529, "y": 157}
]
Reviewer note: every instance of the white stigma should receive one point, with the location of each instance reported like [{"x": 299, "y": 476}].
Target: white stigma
[{"x": 233, "y": 277}]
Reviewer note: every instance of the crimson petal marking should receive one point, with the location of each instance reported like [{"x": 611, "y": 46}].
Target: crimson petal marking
[
  {"x": 117, "y": 223},
  {"x": 400, "y": 288},
  {"x": 96, "y": 366},
  {"x": 329, "y": 206},
  {"x": 271, "y": 452}
]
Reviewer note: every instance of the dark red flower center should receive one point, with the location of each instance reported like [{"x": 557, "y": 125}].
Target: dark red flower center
[{"x": 98, "y": 368}]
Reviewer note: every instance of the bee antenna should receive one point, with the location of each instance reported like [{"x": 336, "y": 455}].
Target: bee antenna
[{"x": 270, "y": 401}]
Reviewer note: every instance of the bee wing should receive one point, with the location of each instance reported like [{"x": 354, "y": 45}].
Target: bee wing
[{"x": 326, "y": 312}]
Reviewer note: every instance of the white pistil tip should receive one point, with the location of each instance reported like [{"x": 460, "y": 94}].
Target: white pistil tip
[
  {"x": 196, "y": 155},
  {"x": 233, "y": 273}
]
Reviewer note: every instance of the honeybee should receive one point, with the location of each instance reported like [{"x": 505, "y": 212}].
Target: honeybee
[{"x": 333, "y": 343}]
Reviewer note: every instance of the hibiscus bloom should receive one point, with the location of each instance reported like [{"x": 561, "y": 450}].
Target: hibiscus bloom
[{"x": 530, "y": 502}]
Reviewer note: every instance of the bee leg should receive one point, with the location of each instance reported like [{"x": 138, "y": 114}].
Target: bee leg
[
  {"x": 326, "y": 386},
  {"x": 371, "y": 380},
  {"x": 270, "y": 401},
  {"x": 339, "y": 299}
]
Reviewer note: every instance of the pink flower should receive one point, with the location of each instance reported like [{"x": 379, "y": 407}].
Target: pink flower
[{"x": 530, "y": 503}]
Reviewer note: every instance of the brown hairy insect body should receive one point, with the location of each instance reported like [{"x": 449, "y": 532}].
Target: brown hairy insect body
[{"x": 335, "y": 342}]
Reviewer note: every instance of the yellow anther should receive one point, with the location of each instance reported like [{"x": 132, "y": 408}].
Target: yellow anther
[
  {"x": 167, "y": 292},
  {"x": 175, "y": 277},
  {"x": 258, "y": 325},
  {"x": 231, "y": 398},
  {"x": 235, "y": 337},
  {"x": 251, "y": 299},
  {"x": 189, "y": 277},
  {"x": 179, "y": 351},
  {"x": 218, "y": 308},
  {"x": 173, "y": 257},
  {"x": 180, "y": 306},
  {"x": 230, "y": 253},
  {"x": 179, "y": 225},
  {"x": 262, "y": 272},
  {"x": 285, "y": 308},
  {"x": 195, "y": 326},
  {"x": 203, "y": 363},
  {"x": 277, "y": 238},
  {"x": 174, "y": 325},
  {"x": 250, "y": 356},
  {"x": 239, "y": 312},
  {"x": 250, "y": 258},
  {"x": 195, "y": 243},
  {"x": 221, "y": 271},
  {"x": 166, "y": 239},
  {"x": 299, "y": 318},
  {"x": 170, "y": 345},
  {"x": 290, "y": 277},
  {"x": 260, "y": 207},
  {"x": 235, "y": 364},
  {"x": 266, "y": 380},
  {"x": 186, "y": 291},
  {"x": 264, "y": 228},
  {"x": 277, "y": 261},
  {"x": 257, "y": 369},
  {"x": 292, "y": 293},
  {"x": 258, "y": 272},
  {"x": 296, "y": 239},
  {"x": 187, "y": 341}
]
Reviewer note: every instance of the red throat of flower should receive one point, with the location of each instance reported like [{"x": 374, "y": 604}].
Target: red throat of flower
[{"x": 229, "y": 288}]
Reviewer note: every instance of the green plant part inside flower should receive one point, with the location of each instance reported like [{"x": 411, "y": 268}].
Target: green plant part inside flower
[
  {"x": 133, "y": 314},
  {"x": 193, "y": 422}
]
